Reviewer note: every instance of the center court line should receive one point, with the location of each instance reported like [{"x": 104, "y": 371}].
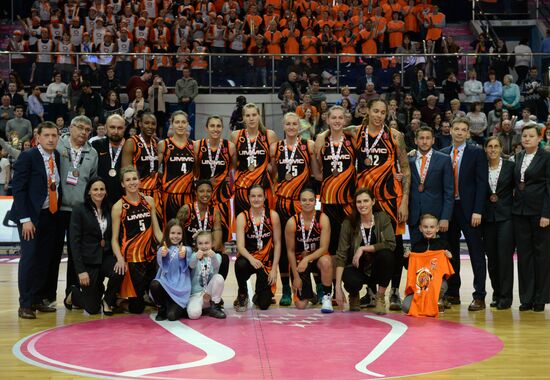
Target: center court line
[
  {"x": 396, "y": 332},
  {"x": 215, "y": 352}
]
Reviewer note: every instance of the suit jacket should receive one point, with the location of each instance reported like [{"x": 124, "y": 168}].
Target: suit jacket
[
  {"x": 437, "y": 198},
  {"x": 30, "y": 186},
  {"x": 535, "y": 199},
  {"x": 472, "y": 179},
  {"x": 114, "y": 188},
  {"x": 86, "y": 238},
  {"x": 502, "y": 209}
]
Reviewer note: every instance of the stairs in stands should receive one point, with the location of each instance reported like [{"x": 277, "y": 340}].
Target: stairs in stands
[
  {"x": 463, "y": 37},
  {"x": 6, "y": 31}
]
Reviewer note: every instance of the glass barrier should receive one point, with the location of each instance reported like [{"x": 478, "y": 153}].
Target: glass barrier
[{"x": 219, "y": 72}]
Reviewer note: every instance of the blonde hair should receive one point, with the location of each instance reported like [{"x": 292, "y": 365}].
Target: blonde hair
[{"x": 261, "y": 126}]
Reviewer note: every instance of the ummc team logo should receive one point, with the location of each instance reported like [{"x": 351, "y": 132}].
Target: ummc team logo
[{"x": 273, "y": 344}]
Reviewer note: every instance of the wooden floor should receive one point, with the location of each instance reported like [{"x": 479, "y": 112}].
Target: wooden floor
[{"x": 526, "y": 352}]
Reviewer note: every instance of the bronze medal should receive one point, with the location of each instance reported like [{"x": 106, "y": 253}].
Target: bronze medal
[
  {"x": 112, "y": 173},
  {"x": 420, "y": 187},
  {"x": 288, "y": 176},
  {"x": 493, "y": 198},
  {"x": 251, "y": 168},
  {"x": 76, "y": 173},
  {"x": 213, "y": 181},
  {"x": 102, "y": 243},
  {"x": 53, "y": 187},
  {"x": 335, "y": 172},
  {"x": 368, "y": 161},
  {"x": 521, "y": 186}
]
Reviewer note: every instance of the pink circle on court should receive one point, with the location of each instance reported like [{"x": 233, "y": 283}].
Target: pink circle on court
[{"x": 273, "y": 344}]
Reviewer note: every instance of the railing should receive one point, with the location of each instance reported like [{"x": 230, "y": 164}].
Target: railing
[
  {"x": 229, "y": 71},
  {"x": 486, "y": 24},
  {"x": 543, "y": 10}
]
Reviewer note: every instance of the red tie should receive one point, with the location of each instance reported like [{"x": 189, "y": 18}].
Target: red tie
[
  {"x": 52, "y": 189},
  {"x": 455, "y": 171}
]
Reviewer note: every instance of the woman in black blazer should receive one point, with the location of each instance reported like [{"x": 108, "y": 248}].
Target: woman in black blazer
[
  {"x": 532, "y": 219},
  {"x": 90, "y": 232},
  {"x": 498, "y": 228}
]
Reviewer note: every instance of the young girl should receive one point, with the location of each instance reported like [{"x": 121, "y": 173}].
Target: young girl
[
  {"x": 172, "y": 285},
  {"x": 206, "y": 283}
]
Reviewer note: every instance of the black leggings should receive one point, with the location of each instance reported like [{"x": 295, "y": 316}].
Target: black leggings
[
  {"x": 89, "y": 297},
  {"x": 381, "y": 272},
  {"x": 224, "y": 265},
  {"x": 173, "y": 310},
  {"x": 243, "y": 271},
  {"x": 142, "y": 274}
]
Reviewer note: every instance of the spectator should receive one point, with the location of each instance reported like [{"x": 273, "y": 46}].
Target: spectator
[
  {"x": 530, "y": 88},
  {"x": 510, "y": 94},
  {"x": 494, "y": 117},
  {"x": 306, "y": 105},
  {"x": 187, "y": 90},
  {"x": 44, "y": 62},
  {"x": 455, "y": 109},
  {"x": 316, "y": 95},
  {"x": 18, "y": 128},
  {"x": 111, "y": 105},
  {"x": 288, "y": 104},
  {"x": 542, "y": 105},
  {"x": 395, "y": 90},
  {"x": 492, "y": 89},
  {"x": 419, "y": 89},
  {"x": 157, "y": 104},
  {"x": 139, "y": 103},
  {"x": 100, "y": 133},
  {"x": 545, "y": 48},
  {"x": 364, "y": 80},
  {"x": 443, "y": 138},
  {"x": 508, "y": 138},
  {"x": 16, "y": 98},
  {"x": 58, "y": 97},
  {"x": 392, "y": 112},
  {"x": 404, "y": 113},
  {"x": 35, "y": 109},
  {"x": 74, "y": 90},
  {"x": 236, "y": 122},
  {"x": 361, "y": 111},
  {"x": 5, "y": 172},
  {"x": 346, "y": 94},
  {"x": 472, "y": 88},
  {"x": 369, "y": 93},
  {"x": 89, "y": 103},
  {"x": 430, "y": 109},
  {"x": 61, "y": 126},
  {"x": 141, "y": 82},
  {"x": 478, "y": 123},
  {"x": 308, "y": 125},
  {"x": 431, "y": 89},
  {"x": 525, "y": 119},
  {"x": 110, "y": 83},
  {"x": 499, "y": 62},
  {"x": 292, "y": 85},
  {"x": 451, "y": 88},
  {"x": 523, "y": 59},
  {"x": 450, "y": 63},
  {"x": 435, "y": 123},
  {"x": 482, "y": 61}
]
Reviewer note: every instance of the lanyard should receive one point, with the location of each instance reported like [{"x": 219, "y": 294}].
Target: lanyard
[
  {"x": 202, "y": 226},
  {"x": 213, "y": 163},
  {"x": 149, "y": 153},
  {"x": 113, "y": 160},
  {"x": 290, "y": 161},
  {"x": 258, "y": 231},
  {"x": 307, "y": 238},
  {"x": 493, "y": 177}
]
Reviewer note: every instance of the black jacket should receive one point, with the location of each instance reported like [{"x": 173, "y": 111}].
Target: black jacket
[
  {"x": 502, "y": 209},
  {"x": 534, "y": 200}
]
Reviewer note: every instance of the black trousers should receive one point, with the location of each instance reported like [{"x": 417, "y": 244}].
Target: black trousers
[
  {"x": 498, "y": 238},
  {"x": 533, "y": 245},
  {"x": 243, "y": 271},
  {"x": 224, "y": 265},
  {"x": 398, "y": 262},
  {"x": 381, "y": 272},
  {"x": 164, "y": 301},
  {"x": 142, "y": 274},
  {"x": 36, "y": 255},
  {"x": 475, "y": 250},
  {"x": 89, "y": 297}
]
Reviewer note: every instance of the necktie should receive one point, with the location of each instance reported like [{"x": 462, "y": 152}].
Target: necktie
[
  {"x": 422, "y": 166},
  {"x": 52, "y": 189},
  {"x": 455, "y": 171}
]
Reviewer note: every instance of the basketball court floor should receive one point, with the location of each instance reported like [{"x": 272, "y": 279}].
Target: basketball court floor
[{"x": 280, "y": 343}]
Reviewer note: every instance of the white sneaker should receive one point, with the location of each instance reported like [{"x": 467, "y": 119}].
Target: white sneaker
[{"x": 326, "y": 304}]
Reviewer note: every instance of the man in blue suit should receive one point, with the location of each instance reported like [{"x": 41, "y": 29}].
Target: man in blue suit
[
  {"x": 36, "y": 199},
  {"x": 470, "y": 172},
  {"x": 431, "y": 184}
]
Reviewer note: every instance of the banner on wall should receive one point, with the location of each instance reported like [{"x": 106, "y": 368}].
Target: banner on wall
[{"x": 8, "y": 229}]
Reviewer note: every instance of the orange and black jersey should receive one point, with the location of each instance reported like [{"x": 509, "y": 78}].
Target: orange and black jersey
[
  {"x": 136, "y": 231},
  {"x": 221, "y": 187},
  {"x": 299, "y": 170},
  {"x": 265, "y": 254},
  {"x": 314, "y": 238},
  {"x": 191, "y": 225},
  {"x": 338, "y": 183},
  {"x": 141, "y": 161},
  {"x": 178, "y": 163},
  {"x": 379, "y": 175},
  {"x": 245, "y": 178}
]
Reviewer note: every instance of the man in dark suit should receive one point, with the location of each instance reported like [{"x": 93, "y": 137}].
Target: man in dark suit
[
  {"x": 431, "y": 184},
  {"x": 470, "y": 191},
  {"x": 368, "y": 77},
  {"x": 36, "y": 199},
  {"x": 109, "y": 156}
]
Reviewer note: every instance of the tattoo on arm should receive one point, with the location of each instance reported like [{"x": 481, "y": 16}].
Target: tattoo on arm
[{"x": 404, "y": 162}]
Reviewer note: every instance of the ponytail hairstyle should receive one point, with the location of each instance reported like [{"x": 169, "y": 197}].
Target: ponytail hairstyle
[
  {"x": 365, "y": 121},
  {"x": 261, "y": 126}
]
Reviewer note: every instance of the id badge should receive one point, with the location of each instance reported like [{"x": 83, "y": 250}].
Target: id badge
[{"x": 71, "y": 179}]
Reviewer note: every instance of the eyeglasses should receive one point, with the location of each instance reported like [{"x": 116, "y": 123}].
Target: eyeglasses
[{"x": 81, "y": 128}]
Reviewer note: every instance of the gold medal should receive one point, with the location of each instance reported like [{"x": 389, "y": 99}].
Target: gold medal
[
  {"x": 335, "y": 172},
  {"x": 213, "y": 181},
  {"x": 368, "y": 161},
  {"x": 521, "y": 186},
  {"x": 493, "y": 198},
  {"x": 112, "y": 173},
  {"x": 102, "y": 243},
  {"x": 251, "y": 167},
  {"x": 288, "y": 176},
  {"x": 76, "y": 173},
  {"x": 420, "y": 187}
]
